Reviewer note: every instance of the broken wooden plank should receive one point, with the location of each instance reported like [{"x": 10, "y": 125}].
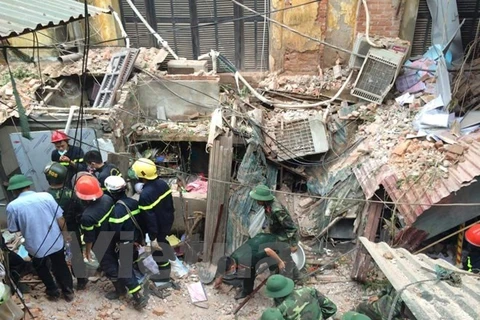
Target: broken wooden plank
[{"x": 372, "y": 212}]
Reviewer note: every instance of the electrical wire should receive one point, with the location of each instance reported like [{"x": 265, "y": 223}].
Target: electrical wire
[
  {"x": 79, "y": 126},
  {"x": 361, "y": 200}
]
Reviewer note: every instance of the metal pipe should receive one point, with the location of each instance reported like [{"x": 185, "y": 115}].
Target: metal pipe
[
  {"x": 72, "y": 57},
  {"x": 154, "y": 33},
  {"x": 70, "y": 117},
  {"x": 120, "y": 25}
]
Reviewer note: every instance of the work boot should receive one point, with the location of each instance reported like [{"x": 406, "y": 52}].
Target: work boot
[
  {"x": 68, "y": 295},
  {"x": 139, "y": 300},
  {"x": 119, "y": 291},
  {"x": 81, "y": 283},
  {"x": 53, "y": 295},
  {"x": 240, "y": 295}
]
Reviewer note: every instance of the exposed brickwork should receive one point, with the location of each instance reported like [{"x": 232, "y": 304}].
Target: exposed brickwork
[
  {"x": 384, "y": 20},
  {"x": 301, "y": 62},
  {"x": 322, "y": 20}
]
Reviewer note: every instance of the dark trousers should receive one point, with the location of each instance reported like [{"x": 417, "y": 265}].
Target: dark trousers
[
  {"x": 79, "y": 270},
  {"x": 17, "y": 266},
  {"x": 249, "y": 281},
  {"x": 110, "y": 265},
  {"x": 60, "y": 271}
]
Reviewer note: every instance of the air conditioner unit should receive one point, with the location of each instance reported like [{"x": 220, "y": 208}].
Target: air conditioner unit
[
  {"x": 300, "y": 137},
  {"x": 361, "y": 47},
  {"x": 377, "y": 75}
]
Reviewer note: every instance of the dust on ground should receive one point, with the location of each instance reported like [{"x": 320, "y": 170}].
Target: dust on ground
[{"x": 91, "y": 303}]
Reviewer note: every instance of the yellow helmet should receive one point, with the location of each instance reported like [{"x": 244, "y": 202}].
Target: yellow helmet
[{"x": 145, "y": 168}]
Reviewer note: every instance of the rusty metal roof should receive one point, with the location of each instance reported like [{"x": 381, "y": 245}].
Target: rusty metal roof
[
  {"x": 22, "y": 16},
  {"x": 431, "y": 299},
  {"x": 419, "y": 196}
]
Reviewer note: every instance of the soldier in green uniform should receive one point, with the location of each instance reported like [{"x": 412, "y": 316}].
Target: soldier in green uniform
[
  {"x": 56, "y": 175},
  {"x": 272, "y": 314},
  {"x": 279, "y": 220},
  {"x": 242, "y": 263},
  {"x": 301, "y": 304},
  {"x": 280, "y": 223},
  {"x": 378, "y": 307}
]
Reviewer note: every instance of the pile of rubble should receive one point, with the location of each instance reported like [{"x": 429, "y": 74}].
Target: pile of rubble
[
  {"x": 327, "y": 80},
  {"x": 391, "y": 138},
  {"x": 26, "y": 89},
  {"x": 167, "y": 128}
]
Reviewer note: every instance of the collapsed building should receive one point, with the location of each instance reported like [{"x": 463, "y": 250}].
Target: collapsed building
[{"x": 382, "y": 143}]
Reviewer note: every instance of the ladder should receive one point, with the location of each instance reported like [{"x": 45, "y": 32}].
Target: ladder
[{"x": 119, "y": 69}]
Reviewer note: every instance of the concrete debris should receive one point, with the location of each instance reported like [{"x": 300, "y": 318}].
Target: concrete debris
[
  {"x": 194, "y": 128},
  {"x": 305, "y": 84}
]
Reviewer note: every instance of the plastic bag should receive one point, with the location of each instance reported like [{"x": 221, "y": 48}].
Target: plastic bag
[
  {"x": 146, "y": 259},
  {"x": 256, "y": 222},
  {"x": 178, "y": 268}
]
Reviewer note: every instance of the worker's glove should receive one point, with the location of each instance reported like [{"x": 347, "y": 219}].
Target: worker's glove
[{"x": 155, "y": 246}]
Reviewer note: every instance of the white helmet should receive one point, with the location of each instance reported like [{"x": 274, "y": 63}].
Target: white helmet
[{"x": 115, "y": 184}]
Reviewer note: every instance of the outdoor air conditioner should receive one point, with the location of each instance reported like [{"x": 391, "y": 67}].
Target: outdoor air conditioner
[
  {"x": 301, "y": 137},
  {"x": 377, "y": 75},
  {"x": 361, "y": 47}
]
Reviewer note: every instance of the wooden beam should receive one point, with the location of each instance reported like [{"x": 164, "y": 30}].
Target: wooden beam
[
  {"x": 372, "y": 212},
  {"x": 219, "y": 174}
]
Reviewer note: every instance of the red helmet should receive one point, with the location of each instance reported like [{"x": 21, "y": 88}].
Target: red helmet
[
  {"x": 58, "y": 136},
  {"x": 473, "y": 235},
  {"x": 88, "y": 188}
]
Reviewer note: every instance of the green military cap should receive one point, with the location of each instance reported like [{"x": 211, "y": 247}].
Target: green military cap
[
  {"x": 278, "y": 286},
  {"x": 272, "y": 314},
  {"x": 18, "y": 181},
  {"x": 352, "y": 315},
  {"x": 261, "y": 193}
]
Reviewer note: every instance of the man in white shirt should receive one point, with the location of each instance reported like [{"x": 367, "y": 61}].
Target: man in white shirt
[{"x": 40, "y": 220}]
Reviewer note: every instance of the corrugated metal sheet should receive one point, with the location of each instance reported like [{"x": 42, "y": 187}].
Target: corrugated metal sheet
[
  {"x": 431, "y": 299},
  {"x": 417, "y": 197},
  {"x": 21, "y": 16}
]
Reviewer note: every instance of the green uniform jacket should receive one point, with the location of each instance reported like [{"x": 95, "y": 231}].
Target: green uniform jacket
[
  {"x": 306, "y": 304},
  {"x": 281, "y": 224},
  {"x": 72, "y": 208}
]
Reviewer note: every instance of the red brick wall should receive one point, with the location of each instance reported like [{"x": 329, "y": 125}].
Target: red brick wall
[
  {"x": 322, "y": 20},
  {"x": 385, "y": 18},
  {"x": 384, "y": 21}
]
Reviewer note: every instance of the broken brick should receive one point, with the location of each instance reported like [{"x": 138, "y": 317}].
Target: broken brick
[
  {"x": 438, "y": 144},
  {"x": 158, "y": 311},
  {"x": 455, "y": 148},
  {"x": 402, "y": 148},
  {"x": 451, "y": 156}
]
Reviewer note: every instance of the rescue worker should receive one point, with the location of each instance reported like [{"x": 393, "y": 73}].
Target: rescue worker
[
  {"x": 279, "y": 222},
  {"x": 40, "y": 220},
  {"x": 67, "y": 155},
  {"x": 305, "y": 303},
  {"x": 101, "y": 170},
  {"x": 102, "y": 215},
  {"x": 472, "y": 261},
  {"x": 378, "y": 307},
  {"x": 272, "y": 314},
  {"x": 242, "y": 263},
  {"x": 156, "y": 214},
  {"x": 56, "y": 175},
  {"x": 122, "y": 220}
]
